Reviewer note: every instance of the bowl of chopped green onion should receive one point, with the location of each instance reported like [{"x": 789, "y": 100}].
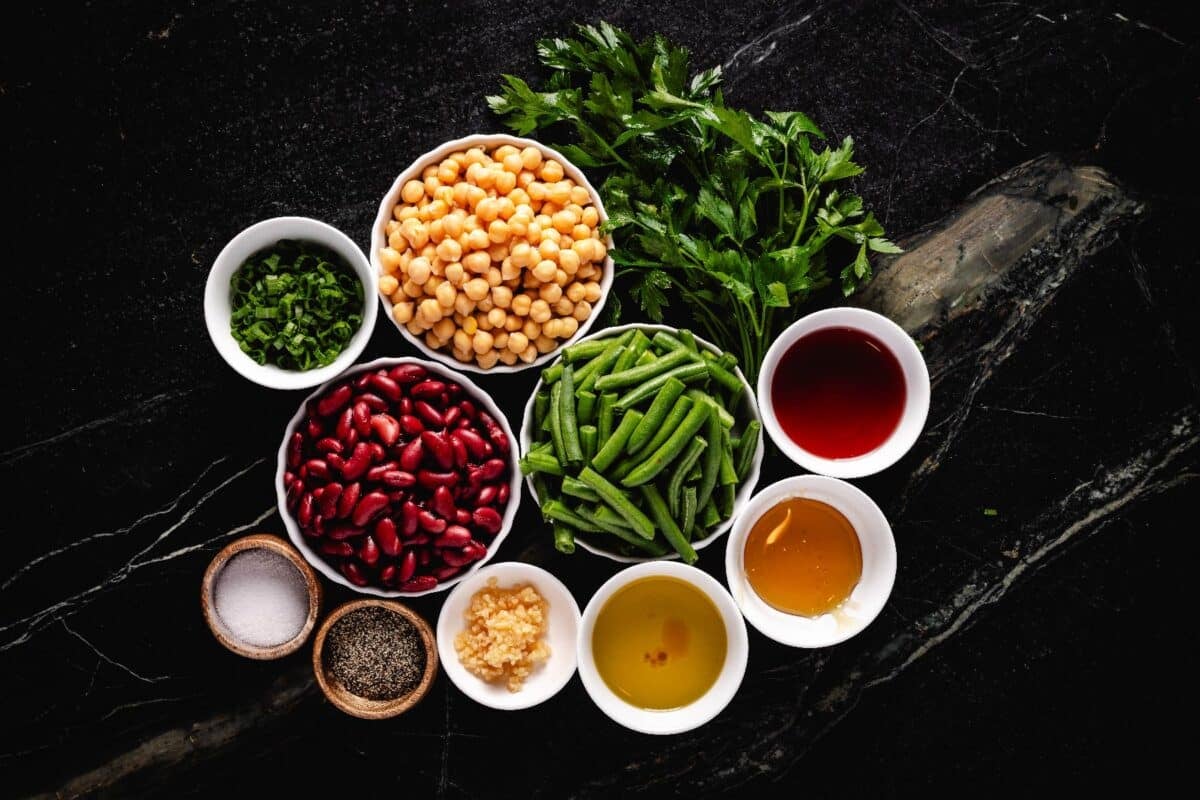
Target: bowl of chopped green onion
[{"x": 290, "y": 302}]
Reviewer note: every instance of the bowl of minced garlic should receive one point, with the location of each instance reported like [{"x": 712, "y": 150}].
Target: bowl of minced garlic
[{"x": 507, "y": 635}]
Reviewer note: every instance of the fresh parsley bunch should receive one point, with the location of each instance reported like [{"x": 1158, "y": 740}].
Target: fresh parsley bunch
[{"x": 730, "y": 211}]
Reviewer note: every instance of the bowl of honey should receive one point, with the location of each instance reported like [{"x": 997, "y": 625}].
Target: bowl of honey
[{"x": 811, "y": 561}]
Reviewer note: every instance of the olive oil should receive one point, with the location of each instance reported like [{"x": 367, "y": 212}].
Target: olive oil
[
  {"x": 659, "y": 643},
  {"x": 803, "y": 557}
]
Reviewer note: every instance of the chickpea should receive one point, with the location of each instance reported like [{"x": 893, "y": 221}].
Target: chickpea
[
  {"x": 521, "y": 254},
  {"x": 583, "y": 310},
  {"x": 498, "y": 231},
  {"x": 431, "y": 310},
  {"x": 500, "y": 339},
  {"x": 412, "y": 191},
  {"x": 481, "y": 321},
  {"x": 536, "y": 191},
  {"x": 599, "y": 250},
  {"x": 568, "y": 260},
  {"x": 453, "y": 224},
  {"x": 397, "y": 240},
  {"x": 416, "y": 233},
  {"x": 476, "y": 289},
  {"x": 460, "y": 193},
  {"x": 464, "y": 356},
  {"x": 552, "y": 171},
  {"x": 564, "y": 222},
  {"x": 412, "y": 290},
  {"x": 437, "y": 267},
  {"x": 564, "y": 307},
  {"x": 507, "y": 207},
  {"x": 559, "y": 193},
  {"x": 408, "y": 212},
  {"x": 482, "y": 342},
  {"x": 520, "y": 199},
  {"x": 388, "y": 284},
  {"x": 531, "y": 329},
  {"x": 569, "y": 326},
  {"x": 524, "y": 178},
  {"x": 402, "y": 312},
  {"x": 428, "y": 252},
  {"x": 520, "y": 305},
  {"x": 534, "y": 233},
  {"x": 475, "y": 156},
  {"x": 581, "y": 232},
  {"x": 579, "y": 196},
  {"x": 544, "y": 271},
  {"x": 445, "y": 194},
  {"x": 497, "y": 317},
  {"x": 470, "y": 325},
  {"x": 454, "y": 273},
  {"x": 509, "y": 271},
  {"x": 487, "y": 360},
  {"x": 518, "y": 226},
  {"x": 415, "y": 326},
  {"x": 436, "y": 232},
  {"x": 504, "y": 150},
  {"x": 592, "y": 293},
  {"x": 576, "y": 292},
  {"x": 487, "y": 210},
  {"x": 444, "y": 328},
  {"x": 586, "y": 271},
  {"x": 517, "y": 342},
  {"x": 485, "y": 305},
  {"x": 507, "y": 357},
  {"x": 584, "y": 250},
  {"x": 561, "y": 278},
  {"x": 478, "y": 239},
  {"x": 419, "y": 270},
  {"x": 449, "y": 251},
  {"x": 498, "y": 251},
  {"x": 399, "y": 296},
  {"x": 548, "y": 249},
  {"x": 475, "y": 196},
  {"x": 513, "y": 323},
  {"x": 505, "y": 182},
  {"x": 431, "y": 182},
  {"x": 462, "y": 340},
  {"x": 464, "y": 305},
  {"x": 539, "y": 311},
  {"x": 446, "y": 294},
  {"x": 590, "y": 217},
  {"x": 550, "y": 292},
  {"x": 477, "y": 261},
  {"x": 502, "y": 297},
  {"x": 531, "y": 158},
  {"x": 390, "y": 258},
  {"x": 544, "y": 344},
  {"x": 529, "y": 354}
]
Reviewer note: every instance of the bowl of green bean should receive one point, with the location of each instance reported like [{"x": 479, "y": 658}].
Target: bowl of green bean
[{"x": 641, "y": 442}]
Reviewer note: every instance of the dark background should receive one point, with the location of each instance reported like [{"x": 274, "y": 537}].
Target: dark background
[{"x": 139, "y": 137}]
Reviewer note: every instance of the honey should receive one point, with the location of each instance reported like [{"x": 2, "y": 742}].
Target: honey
[{"x": 803, "y": 557}]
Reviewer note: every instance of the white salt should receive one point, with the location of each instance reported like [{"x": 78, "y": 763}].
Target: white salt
[{"x": 261, "y": 598}]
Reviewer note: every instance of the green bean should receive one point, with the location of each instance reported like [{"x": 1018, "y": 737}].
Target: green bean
[
  {"x": 564, "y": 538},
  {"x": 712, "y": 461},
  {"x": 585, "y": 407},
  {"x": 716, "y": 369},
  {"x": 622, "y": 468},
  {"x": 727, "y": 475},
  {"x": 603, "y": 514},
  {"x": 726, "y": 495},
  {"x": 634, "y": 349},
  {"x": 688, "y": 517},
  {"x": 641, "y": 374},
  {"x": 615, "y": 444},
  {"x": 543, "y": 447},
  {"x": 615, "y": 498},
  {"x": 587, "y": 441},
  {"x": 657, "y": 461},
  {"x": 582, "y": 351},
  {"x": 727, "y": 420},
  {"x": 553, "y": 373},
  {"x": 604, "y": 426},
  {"x": 694, "y": 474},
  {"x": 646, "y": 358},
  {"x": 625, "y": 534},
  {"x": 709, "y": 516},
  {"x": 727, "y": 360},
  {"x": 671, "y": 532},
  {"x": 747, "y": 448},
  {"x": 555, "y": 419},
  {"x": 566, "y": 416},
  {"x": 689, "y": 341},
  {"x": 541, "y": 403},
  {"x": 678, "y": 413},
  {"x": 577, "y": 488},
  {"x": 686, "y": 373},
  {"x": 557, "y": 510},
  {"x": 540, "y": 462},
  {"x": 675, "y": 485},
  {"x": 541, "y": 489},
  {"x": 655, "y": 415},
  {"x": 601, "y": 364}
]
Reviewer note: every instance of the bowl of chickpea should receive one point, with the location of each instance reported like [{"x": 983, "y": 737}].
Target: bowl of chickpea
[{"x": 490, "y": 254}]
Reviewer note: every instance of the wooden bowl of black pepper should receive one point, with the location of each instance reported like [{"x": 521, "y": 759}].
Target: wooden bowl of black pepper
[{"x": 374, "y": 659}]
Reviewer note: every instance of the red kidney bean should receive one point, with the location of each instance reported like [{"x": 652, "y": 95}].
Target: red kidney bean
[
  {"x": 370, "y": 506},
  {"x": 474, "y": 443},
  {"x": 442, "y": 502},
  {"x": 453, "y": 536},
  {"x": 336, "y": 462},
  {"x": 375, "y": 473},
  {"x": 468, "y": 408},
  {"x": 377, "y": 452},
  {"x": 417, "y": 541},
  {"x": 386, "y": 387},
  {"x": 386, "y": 536},
  {"x": 427, "y": 390},
  {"x": 353, "y": 573},
  {"x": 288, "y": 477},
  {"x": 404, "y": 374},
  {"x": 342, "y": 530},
  {"x": 429, "y": 522},
  {"x": 362, "y": 418},
  {"x": 358, "y": 462},
  {"x": 462, "y": 516},
  {"x": 488, "y": 519},
  {"x": 304, "y": 514},
  {"x": 397, "y": 496},
  {"x": 408, "y": 518},
  {"x": 373, "y": 401},
  {"x": 405, "y": 406},
  {"x": 456, "y": 558},
  {"x": 502, "y": 492},
  {"x": 431, "y": 480},
  {"x": 345, "y": 424},
  {"x": 295, "y": 449},
  {"x": 387, "y": 575},
  {"x": 424, "y": 557},
  {"x": 411, "y": 425},
  {"x": 341, "y": 549},
  {"x": 421, "y": 583},
  {"x": 398, "y": 479},
  {"x": 408, "y": 566},
  {"x": 329, "y": 445},
  {"x": 461, "y": 457},
  {"x": 294, "y": 490},
  {"x": 492, "y": 469},
  {"x": 429, "y": 414},
  {"x": 443, "y": 573},
  {"x": 318, "y": 525},
  {"x": 453, "y": 389},
  {"x": 412, "y": 455},
  {"x": 351, "y": 438},
  {"x": 486, "y": 495},
  {"x": 333, "y": 402},
  {"x": 361, "y": 381},
  {"x": 452, "y": 415},
  {"x": 474, "y": 550},
  {"x": 437, "y": 446},
  {"x": 314, "y": 428},
  {"x": 329, "y": 500},
  {"x": 349, "y": 499},
  {"x": 368, "y": 553},
  {"x": 317, "y": 468}
]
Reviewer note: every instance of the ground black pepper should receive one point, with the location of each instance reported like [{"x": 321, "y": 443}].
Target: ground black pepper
[{"x": 375, "y": 653}]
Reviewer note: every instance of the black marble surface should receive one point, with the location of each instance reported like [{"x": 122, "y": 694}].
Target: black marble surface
[{"x": 1034, "y": 647}]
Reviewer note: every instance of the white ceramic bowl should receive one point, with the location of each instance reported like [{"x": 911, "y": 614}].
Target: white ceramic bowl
[
  {"x": 744, "y": 491},
  {"x": 439, "y": 154},
  {"x": 916, "y": 381},
  {"x": 676, "y": 720},
  {"x": 258, "y": 236},
  {"x": 478, "y": 396},
  {"x": 546, "y": 679},
  {"x": 868, "y": 597}
]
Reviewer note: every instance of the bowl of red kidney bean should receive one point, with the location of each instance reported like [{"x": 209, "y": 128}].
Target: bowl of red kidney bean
[{"x": 398, "y": 478}]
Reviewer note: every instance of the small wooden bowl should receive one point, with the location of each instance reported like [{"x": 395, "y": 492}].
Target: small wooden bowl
[
  {"x": 275, "y": 544},
  {"x": 361, "y": 707}
]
